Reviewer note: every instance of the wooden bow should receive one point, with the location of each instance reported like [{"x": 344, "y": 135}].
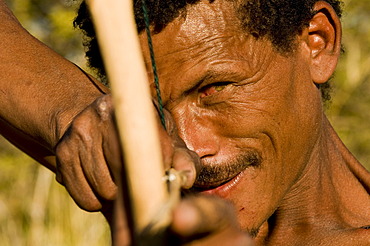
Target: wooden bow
[{"x": 117, "y": 34}]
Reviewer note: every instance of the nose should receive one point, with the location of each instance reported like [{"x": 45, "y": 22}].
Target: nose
[{"x": 199, "y": 136}]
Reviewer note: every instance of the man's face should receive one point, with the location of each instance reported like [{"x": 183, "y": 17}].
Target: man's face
[{"x": 251, "y": 114}]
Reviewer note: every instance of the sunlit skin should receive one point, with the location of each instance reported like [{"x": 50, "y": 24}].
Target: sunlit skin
[
  {"x": 252, "y": 116},
  {"x": 234, "y": 98}
]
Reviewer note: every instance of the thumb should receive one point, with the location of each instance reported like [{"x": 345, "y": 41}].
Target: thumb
[{"x": 207, "y": 220}]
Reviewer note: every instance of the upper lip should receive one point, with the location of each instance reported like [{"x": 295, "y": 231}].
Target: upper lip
[
  {"x": 214, "y": 175},
  {"x": 201, "y": 185}
]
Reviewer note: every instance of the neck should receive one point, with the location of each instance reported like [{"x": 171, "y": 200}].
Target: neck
[{"x": 332, "y": 193}]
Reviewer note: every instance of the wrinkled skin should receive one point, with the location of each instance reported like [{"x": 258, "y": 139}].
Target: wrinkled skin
[
  {"x": 62, "y": 117},
  {"x": 91, "y": 176},
  {"x": 255, "y": 118},
  {"x": 252, "y": 116},
  {"x": 92, "y": 184}
]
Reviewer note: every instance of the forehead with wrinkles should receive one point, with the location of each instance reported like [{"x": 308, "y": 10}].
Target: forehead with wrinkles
[
  {"x": 207, "y": 38},
  {"x": 203, "y": 22},
  {"x": 190, "y": 36}
]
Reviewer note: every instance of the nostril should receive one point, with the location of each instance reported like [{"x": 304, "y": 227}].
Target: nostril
[{"x": 206, "y": 152}]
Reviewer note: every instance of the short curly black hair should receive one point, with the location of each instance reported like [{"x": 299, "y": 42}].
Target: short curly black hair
[{"x": 278, "y": 20}]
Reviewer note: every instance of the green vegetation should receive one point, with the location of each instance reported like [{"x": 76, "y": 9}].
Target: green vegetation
[
  {"x": 350, "y": 108},
  {"x": 35, "y": 210}
]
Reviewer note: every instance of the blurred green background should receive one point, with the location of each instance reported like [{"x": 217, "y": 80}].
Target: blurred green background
[{"x": 36, "y": 211}]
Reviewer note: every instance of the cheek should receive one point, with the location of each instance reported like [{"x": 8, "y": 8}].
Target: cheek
[
  {"x": 246, "y": 126},
  {"x": 301, "y": 120},
  {"x": 283, "y": 124}
]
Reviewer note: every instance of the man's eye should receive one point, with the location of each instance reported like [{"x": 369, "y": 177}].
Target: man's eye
[{"x": 212, "y": 89}]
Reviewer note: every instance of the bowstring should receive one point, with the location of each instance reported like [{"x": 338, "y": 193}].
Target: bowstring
[
  {"x": 154, "y": 66},
  {"x": 173, "y": 178}
]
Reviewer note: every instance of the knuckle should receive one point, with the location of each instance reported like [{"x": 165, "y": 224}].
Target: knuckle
[
  {"x": 62, "y": 150},
  {"x": 170, "y": 123},
  {"x": 64, "y": 156},
  {"x": 91, "y": 205},
  {"x": 110, "y": 193},
  {"x": 81, "y": 133},
  {"x": 79, "y": 125},
  {"x": 104, "y": 107}
]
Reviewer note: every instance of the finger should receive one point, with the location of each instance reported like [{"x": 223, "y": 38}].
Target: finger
[
  {"x": 74, "y": 180},
  {"x": 206, "y": 220},
  {"x": 58, "y": 175},
  {"x": 177, "y": 155},
  {"x": 167, "y": 148},
  {"x": 104, "y": 138},
  {"x": 188, "y": 163},
  {"x": 113, "y": 152},
  {"x": 98, "y": 174},
  {"x": 61, "y": 151},
  {"x": 94, "y": 166},
  {"x": 80, "y": 190},
  {"x": 202, "y": 214}
]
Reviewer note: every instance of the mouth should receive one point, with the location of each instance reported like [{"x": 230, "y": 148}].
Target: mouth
[
  {"x": 220, "y": 188},
  {"x": 220, "y": 179}
]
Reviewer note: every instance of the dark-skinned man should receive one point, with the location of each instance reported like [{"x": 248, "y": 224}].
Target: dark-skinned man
[{"x": 243, "y": 82}]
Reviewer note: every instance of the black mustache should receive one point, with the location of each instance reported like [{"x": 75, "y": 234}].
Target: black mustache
[{"x": 215, "y": 174}]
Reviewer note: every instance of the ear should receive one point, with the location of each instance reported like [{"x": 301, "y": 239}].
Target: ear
[{"x": 324, "y": 42}]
